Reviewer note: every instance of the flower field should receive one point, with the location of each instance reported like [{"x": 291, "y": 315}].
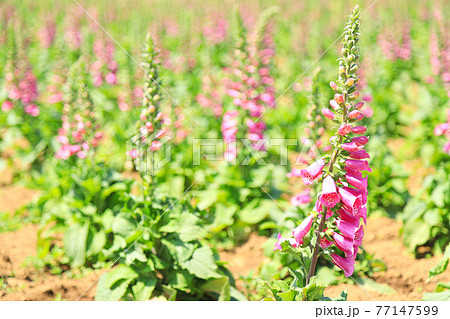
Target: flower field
[{"x": 225, "y": 151}]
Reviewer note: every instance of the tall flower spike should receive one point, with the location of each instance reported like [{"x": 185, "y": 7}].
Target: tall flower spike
[
  {"x": 251, "y": 85},
  {"x": 346, "y": 203},
  {"x": 79, "y": 134},
  {"x": 150, "y": 127},
  {"x": 341, "y": 204}
]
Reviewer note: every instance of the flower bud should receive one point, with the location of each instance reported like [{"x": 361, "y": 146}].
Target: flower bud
[
  {"x": 350, "y": 82},
  {"x": 344, "y": 129},
  {"x": 334, "y": 104},
  {"x": 359, "y": 105},
  {"x": 333, "y": 86},
  {"x": 339, "y": 98},
  {"x": 354, "y": 114},
  {"x": 328, "y": 113}
]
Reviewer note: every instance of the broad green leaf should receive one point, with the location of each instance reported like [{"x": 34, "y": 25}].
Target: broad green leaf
[
  {"x": 288, "y": 295},
  {"x": 179, "y": 279},
  {"x": 179, "y": 250},
  {"x": 442, "y": 264},
  {"x": 256, "y": 211},
  {"x": 441, "y": 286},
  {"x": 75, "y": 240},
  {"x": 136, "y": 253},
  {"x": 326, "y": 276},
  {"x": 372, "y": 285},
  {"x": 187, "y": 226},
  {"x": 416, "y": 233},
  {"x": 437, "y": 196},
  {"x": 313, "y": 291},
  {"x": 220, "y": 286},
  {"x": 123, "y": 226},
  {"x": 143, "y": 289},
  {"x": 113, "y": 285},
  {"x": 113, "y": 188},
  {"x": 223, "y": 217},
  {"x": 437, "y": 296},
  {"x": 202, "y": 264},
  {"x": 97, "y": 243},
  {"x": 207, "y": 198}
]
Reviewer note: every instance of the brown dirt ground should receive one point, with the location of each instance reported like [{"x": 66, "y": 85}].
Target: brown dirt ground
[
  {"x": 245, "y": 258},
  {"x": 27, "y": 283}
]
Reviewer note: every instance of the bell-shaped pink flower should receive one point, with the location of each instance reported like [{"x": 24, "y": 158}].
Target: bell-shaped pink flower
[
  {"x": 313, "y": 171},
  {"x": 350, "y": 147},
  {"x": 329, "y": 196},
  {"x": 358, "y": 182},
  {"x": 349, "y": 218},
  {"x": 300, "y": 199},
  {"x": 358, "y": 192},
  {"x": 359, "y": 235},
  {"x": 363, "y": 214},
  {"x": 325, "y": 243},
  {"x": 344, "y": 244},
  {"x": 346, "y": 264},
  {"x": 353, "y": 172},
  {"x": 347, "y": 229},
  {"x": 301, "y": 230},
  {"x": 359, "y": 154},
  {"x": 359, "y": 129},
  {"x": 358, "y": 165},
  {"x": 360, "y": 140}
]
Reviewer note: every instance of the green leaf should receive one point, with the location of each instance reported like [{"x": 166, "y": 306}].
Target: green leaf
[
  {"x": 256, "y": 211},
  {"x": 179, "y": 279},
  {"x": 437, "y": 296},
  {"x": 442, "y": 264},
  {"x": 180, "y": 251},
  {"x": 114, "y": 188},
  {"x": 75, "y": 240},
  {"x": 342, "y": 296},
  {"x": 97, "y": 243},
  {"x": 187, "y": 226},
  {"x": 372, "y": 285},
  {"x": 437, "y": 196},
  {"x": 136, "y": 254},
  {"x": 143, "y": 289},
  {"x": 113, "y": 285},
  {"x": 416, "y": 233},
  {"x": 207, "y": 198},
  {"x": 441, "y": 286},
  {"x": 223, "y": 217},
  {"x": 313, "y": 292},
  {"x": 326, "y": 276},
  {"x": 288, "y": 295},
  {"x": 202, "y": 264},
  {"x": 220, "y": 286},
  {"x": 123, "y": 226}
]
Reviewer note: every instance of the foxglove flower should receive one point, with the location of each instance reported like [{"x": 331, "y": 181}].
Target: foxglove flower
[
  {"x": 301, "y": 230},
  {"x": 329, "y": 196},
  {"x": 313, "y": 171}
]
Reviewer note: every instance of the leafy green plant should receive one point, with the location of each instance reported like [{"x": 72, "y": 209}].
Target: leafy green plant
[
  {"x": 425, "y": 217},
  {"x": 443, "y": 289}
]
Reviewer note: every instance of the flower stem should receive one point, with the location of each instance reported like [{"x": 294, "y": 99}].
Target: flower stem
[{"x": 315, "y": 255}]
